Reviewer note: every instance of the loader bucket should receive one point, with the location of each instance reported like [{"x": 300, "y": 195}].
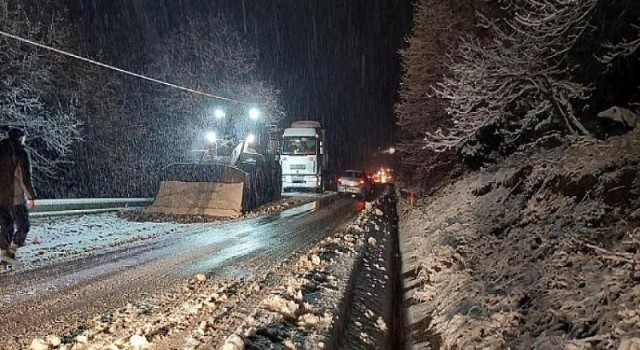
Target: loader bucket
[{"x": 200, "y": 189}]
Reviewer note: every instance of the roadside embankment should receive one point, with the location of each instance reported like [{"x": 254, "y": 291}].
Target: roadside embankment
[{"x": 538, "y": 252}]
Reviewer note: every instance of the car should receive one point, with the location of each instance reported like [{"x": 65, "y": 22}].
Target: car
[{"x": 354, "y": 182}]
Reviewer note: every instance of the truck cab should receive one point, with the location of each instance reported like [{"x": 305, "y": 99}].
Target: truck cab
[{"x": 303, "y": 157}]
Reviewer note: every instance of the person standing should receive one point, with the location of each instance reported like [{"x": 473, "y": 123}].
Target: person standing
[{"x": 16, "y": 195}]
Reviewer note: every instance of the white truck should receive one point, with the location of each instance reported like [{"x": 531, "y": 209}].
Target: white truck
[{"x": 303, "y": 157}]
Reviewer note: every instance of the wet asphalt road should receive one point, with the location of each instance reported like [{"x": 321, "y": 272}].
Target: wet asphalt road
[{"x": 48, "y": 299}]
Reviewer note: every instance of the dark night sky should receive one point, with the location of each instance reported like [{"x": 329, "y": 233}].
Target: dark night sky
[{"x": 333, "y": 60}]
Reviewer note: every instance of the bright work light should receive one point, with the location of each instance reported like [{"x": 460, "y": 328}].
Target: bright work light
[
  {"x": 254, "y": 113},
  {"x": 212, "y": 137},
  {"x": 219, "y": 113}
]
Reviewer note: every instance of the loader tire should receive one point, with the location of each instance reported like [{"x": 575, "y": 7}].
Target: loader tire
[
  {"x": 259, "y": 186},
  {"x": 248, "y": 197},
  {"x": 274, "y": 185},
  {"x": 255, "y": 188}
]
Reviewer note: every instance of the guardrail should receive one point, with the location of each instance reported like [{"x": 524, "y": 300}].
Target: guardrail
[{"x": 55, "y": 207}]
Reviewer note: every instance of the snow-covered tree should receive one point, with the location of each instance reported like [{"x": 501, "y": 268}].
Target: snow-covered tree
[
  {"x": 29, "y": 89},
  {"x": 520, "y": 77},
  {"x": 622, "y": 49},
  {"x": 437, "y": 27},
  {"x": 211, "y": 56},
  {"x": 135, "y": 127}
]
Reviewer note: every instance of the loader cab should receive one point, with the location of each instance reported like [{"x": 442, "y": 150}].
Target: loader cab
[{"x": 274, "y": 146}]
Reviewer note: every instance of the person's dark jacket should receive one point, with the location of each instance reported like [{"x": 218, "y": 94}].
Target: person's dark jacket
[{"x": 13, "y": 155}]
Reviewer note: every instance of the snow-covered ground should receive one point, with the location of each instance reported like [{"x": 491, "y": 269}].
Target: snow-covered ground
[
  {"x": 538, "y": 252},
  {"x": 293, "y": 303},
  {"x": 58, "y": 238}
]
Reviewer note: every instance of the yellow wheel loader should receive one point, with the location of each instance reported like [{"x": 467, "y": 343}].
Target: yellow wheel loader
[{"x": 224, "y": 184}]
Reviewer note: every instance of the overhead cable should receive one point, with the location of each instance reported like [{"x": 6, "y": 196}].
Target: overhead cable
[{"x": 144, "y": 77}]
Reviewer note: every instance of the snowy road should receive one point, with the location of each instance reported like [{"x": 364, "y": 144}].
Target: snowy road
[{"x": 110, "y": 262}]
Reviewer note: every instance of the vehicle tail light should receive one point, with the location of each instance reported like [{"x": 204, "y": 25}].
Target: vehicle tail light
[
  {"x": 340, "y": 181},
  {"x": 361, "y": 183}
]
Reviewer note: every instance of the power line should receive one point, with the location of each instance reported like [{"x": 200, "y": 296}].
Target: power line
[{"x": 140, "y": 76}]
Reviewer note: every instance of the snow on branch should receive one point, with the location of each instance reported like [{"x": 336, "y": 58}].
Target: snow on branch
[
  {"x": 519, "y": 75},
  {"x": 622, "y": 49},
  {"x": 52, "y": 130},
  {"x": 29, "y": 95}
]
